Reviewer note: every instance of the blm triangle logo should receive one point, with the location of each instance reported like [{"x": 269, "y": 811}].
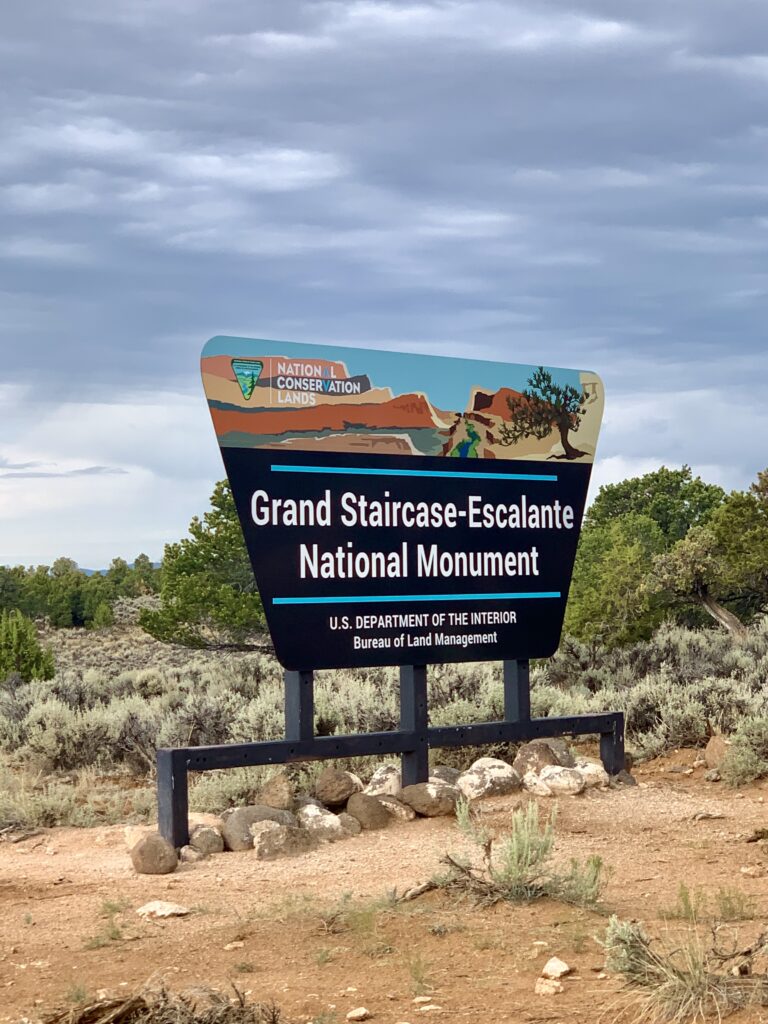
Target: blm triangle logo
[{"x": 247, "y": 372}]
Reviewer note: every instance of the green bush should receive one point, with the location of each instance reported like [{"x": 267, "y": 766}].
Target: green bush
[{"x": 20, "y": 650}]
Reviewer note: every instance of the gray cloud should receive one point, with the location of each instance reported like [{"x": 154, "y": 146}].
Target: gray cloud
[{"x": 575, "y": 183}]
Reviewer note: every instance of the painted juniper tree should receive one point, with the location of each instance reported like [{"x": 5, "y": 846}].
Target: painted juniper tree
[{"x": 542, "y": 408}]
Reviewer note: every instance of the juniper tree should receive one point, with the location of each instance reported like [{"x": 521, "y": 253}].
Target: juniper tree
[
  {"x": 20, "y": 650},
  {"x": 545, "y": 406}
]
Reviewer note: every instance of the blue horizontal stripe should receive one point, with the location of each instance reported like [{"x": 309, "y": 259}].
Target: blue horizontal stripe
[
  {"x": 390, "y": 598},
  {"x": 363, "y": 471}
]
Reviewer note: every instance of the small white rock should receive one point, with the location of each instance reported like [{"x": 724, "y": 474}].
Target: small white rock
[
  {"x": 359, "y": 1013},
  {"x": 161, "y": 908},
  {"x": 555, "y": 968}
]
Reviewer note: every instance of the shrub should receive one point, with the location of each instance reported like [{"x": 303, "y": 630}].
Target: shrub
[
  {"x": 518, "y": 870},
  {"x": 20, "y": 650},
  {"x": 747, "y": 756}
]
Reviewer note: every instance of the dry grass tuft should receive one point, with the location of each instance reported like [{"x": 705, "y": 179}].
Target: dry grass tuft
[
  {"x": 690, "y": 982},
  {"x": 164, "y": 1007},
  {"x": 516, "y": 869}
]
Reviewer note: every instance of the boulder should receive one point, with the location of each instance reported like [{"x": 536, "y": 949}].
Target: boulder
[
  {"x": 369, "y": 812},
  {"x": 623, "y": 778},
  {"x": 207, "y": 839},
  {"x": 488, "y": 776},
  {"x": 533, "y": 783},
  {"x": 237, "y": 821},
  {"x": 333, "y": 787},
  {"x": 532, "y": 757},
  {"x": 445, "y": 774},
  {"x": 350, "y": 825},
  {"x": 593, "y": 773},
  {"x": 189, "y": 855},
  {"x": 154, "y": 855},
  {"x": 323, "y": 824},
  {"x": 712, "y": 775},
  {"x": 396, "y": 808},
  {"x": 562, "y": 781},
  {"x": 271, "y": 840},
  {"x": 715, "y": 751},
  {"x": 279, "y": 792},
  {"x": 560, "y": 748},
  {"x": 432, "y": 799},
  {"x": 385, "y": 781}
]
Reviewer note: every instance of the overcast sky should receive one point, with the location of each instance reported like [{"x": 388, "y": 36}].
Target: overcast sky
[{"x": 580, "y": 183}]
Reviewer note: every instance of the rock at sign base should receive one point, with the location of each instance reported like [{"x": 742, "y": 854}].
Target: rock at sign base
[
  {"x": 593, "y": 773},
  {"x": 350, "y": 825},
  {"x": 555, "y": 968},
  {"x": 623, "y": 778},
  {"x": 562, "y": 781},
  {"x": 161, "y": 908},
  {"x": 532, "y": 757},
  {"x": 324, "y": 824},
  {"x": 369, "y": 811},
  {"x": 360, "y": 1013},
  {"x": 535, "y": 785},
  {"x": 154, "y": 855},
  {"x": 385, "y": 781},
  {"x": 279, "y": 792},
  {"x": 189, "y": 855},
  {"x": 271, "y": 840},
  {"x": 488, "y": 776},
  {"x": 207, "y": 839},
  {"x": 236, "y": 824},
  {"x": 560, "y": 748},
  {"x": 432, "y": 799},
  {"x": 444, "y": 773},
  {"x": 397, "y": 808},
  {"x": 547, "y": 987},
  {"x": 333, "y": 787}
]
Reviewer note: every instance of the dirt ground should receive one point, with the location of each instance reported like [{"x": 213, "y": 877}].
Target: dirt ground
[{"x": 68, "y": 922}]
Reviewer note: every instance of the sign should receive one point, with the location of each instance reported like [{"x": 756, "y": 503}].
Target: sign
[{"x": 404, "y": 509}]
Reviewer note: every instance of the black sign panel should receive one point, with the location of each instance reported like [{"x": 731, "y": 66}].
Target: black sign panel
[{"x": 383, "y": 530}]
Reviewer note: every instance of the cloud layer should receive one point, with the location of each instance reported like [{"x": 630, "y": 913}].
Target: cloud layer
[{"x": 579, "y": 184}]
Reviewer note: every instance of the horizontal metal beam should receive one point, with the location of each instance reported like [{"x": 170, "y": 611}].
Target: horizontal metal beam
[
  {"x": 246, "y": 755},
  {"x": 511, "y": 732}
]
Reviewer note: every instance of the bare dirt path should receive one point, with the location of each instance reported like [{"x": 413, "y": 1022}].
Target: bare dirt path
[{"x": 68, "y": 924}]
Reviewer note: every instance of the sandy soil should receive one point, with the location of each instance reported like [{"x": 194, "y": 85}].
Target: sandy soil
[{"x": 269, "y": 928}]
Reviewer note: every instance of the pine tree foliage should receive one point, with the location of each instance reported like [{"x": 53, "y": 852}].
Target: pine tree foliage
[{"x": 20, "y": 651}]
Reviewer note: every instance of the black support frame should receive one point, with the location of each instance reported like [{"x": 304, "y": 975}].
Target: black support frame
[{"x": 412, "y": 741}]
